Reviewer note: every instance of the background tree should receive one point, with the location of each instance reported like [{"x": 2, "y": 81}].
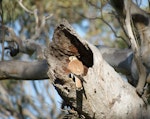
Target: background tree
[{"x": 26, "y": 31}]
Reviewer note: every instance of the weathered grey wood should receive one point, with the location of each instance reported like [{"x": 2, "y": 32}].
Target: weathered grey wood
[
  {"x": 22, "y": 70},
  {"x": 122, "y": 60},
  {"x": 108, "y": 92},
  {"x": 108, "y": 96}
]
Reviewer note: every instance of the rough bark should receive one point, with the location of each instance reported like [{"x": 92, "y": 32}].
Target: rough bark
[{"x": 108, "y": 96}]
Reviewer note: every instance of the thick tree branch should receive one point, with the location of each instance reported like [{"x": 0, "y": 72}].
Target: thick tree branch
[
  {"x": 22, "y": 70},
  {"x": 136, "y": 49},
  {"x": 124, "y": 63},
  {"x": 26, "y": 46}
]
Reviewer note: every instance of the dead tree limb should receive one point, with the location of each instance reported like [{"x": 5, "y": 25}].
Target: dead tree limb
[
  {"x": 136, "y": 49},
  {"x": 124, "y": 63},
  {"x": 108, "y": 96},
  {"x": 26, "y": 45},
  {"x": 21, "y": 70}
]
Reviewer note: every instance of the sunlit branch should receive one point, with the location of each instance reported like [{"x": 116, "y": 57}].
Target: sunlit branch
[
  {"x": 136, "y": 49},
  {"x": 27, "y": 10}
]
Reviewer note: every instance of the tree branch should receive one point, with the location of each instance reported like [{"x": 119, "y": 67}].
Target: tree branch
[
  {"x": 26, "y": 46},
  {"x": 124, "y": 63},
  {"x": 27, "y": 10},
  {"x": 21, "y": 70}
]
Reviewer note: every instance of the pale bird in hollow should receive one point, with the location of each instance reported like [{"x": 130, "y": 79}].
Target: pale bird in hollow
[{"x": 77, "y": 69}]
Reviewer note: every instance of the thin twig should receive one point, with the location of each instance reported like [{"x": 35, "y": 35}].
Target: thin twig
[
  {"x": 121, "y": 25},
  {"x": 88, "y": 1},
  {"x": 39, "y": 25},
  {"x": 93, "y": 18},
  {"x": 39, "y": 22},
  {"x": 114, "y": 31},
  {"x": 27, "y": 10},
  {"x": 3, "y": 34}
]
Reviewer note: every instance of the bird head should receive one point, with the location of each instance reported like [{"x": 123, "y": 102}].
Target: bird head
[{"x": 71, "y": 58}]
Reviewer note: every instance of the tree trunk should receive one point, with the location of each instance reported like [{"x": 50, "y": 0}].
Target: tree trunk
[{"x": 108, "y": 95}]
